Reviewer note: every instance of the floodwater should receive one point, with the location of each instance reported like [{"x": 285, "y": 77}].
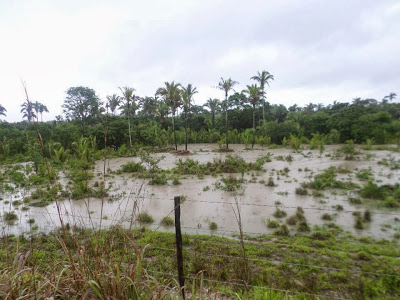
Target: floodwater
[{"x": 204, "y": 203}]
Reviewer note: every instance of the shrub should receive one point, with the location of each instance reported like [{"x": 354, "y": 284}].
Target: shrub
[
  {"x": 367, "y": 216},
  {"x": 282, "y": 231},
  {"x": 303, "y": 226},
  {"x": 175, "y": 180},
  {"x": 10, "y": 216},
  {"x": 213, "y": 226},
  {"x": 359, "y": 224},
  {"x": 326, "y": 217},
  {"x": 272, "y": 223},
  {"x": 279, "y": 213},
  {"x": 270, "y": 182},
  {"x": 159, "y": 179},
  {"x": 292, "y": 220},
  {"x": 133, "y": 167},
  {"x": 301, "y": 191},
  {"x": 145, "y": 217},
  {"x": 167, "y": 221},
  {"x": 339, "y": 207}
]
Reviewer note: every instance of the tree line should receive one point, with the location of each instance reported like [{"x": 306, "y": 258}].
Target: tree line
[{"x": 171, "y": 117}]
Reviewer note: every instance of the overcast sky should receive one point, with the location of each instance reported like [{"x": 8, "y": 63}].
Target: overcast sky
[{"x": 318, "y": 51}]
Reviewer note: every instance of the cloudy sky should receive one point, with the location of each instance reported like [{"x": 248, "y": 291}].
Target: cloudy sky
[{"x": 319, "y": 51}]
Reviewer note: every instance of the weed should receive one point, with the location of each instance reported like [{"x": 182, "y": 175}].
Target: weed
[
  {"x": 167, "y": 221},
  {"x": 206, "y": 188},
  {"x": 145, "y": 217},
  {"x": 213, "y": 226},
  {"x": 359, "y": 224},
  {"x": 175, "y": 180},
  {"x": 283, "y": 230},
  {"x": 279, "y": 213},
  {"x": 303, "y": 226},
  {"x": 10, "y": 216},
  {"x": 367, "y": 216},
  {"x": 272, "y": 223},
  {"x": 270, "y": 182},
  {"x": 326, "y": 217},
  {"x": 301, "y": 191}
]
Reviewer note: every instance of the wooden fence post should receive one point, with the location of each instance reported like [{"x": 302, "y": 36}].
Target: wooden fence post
[{"x": 178, "y": 236}]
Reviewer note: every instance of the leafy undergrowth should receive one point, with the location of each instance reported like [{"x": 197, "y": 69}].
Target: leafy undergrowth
[{"x": 140, "y": 264}]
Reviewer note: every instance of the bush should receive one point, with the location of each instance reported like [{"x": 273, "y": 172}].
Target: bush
[
  {"x": 167, "y": 221},
  {"x": 133, "y": 167},
  {"x": 10, "y": 216},
  {"x": 159, "y": 179},
  {"x": 301, "y": 191},
  {"x": 213, "y": 226},
  {"x": 272, "y": 223},
  {"x": 326, "y": 217},
  {"x": 303, "y": 226},
  {"x": 279, "y": 213},
  {"x": 367, "y": 216},
  {"x": 145, "y": 217},
  {"x": 282, "y": 231}
]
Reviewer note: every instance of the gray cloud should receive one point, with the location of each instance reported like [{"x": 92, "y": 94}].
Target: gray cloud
[{"x": 317, "y": 50}]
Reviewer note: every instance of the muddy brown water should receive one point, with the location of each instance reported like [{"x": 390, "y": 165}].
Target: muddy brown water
[{"x": 256, "y": 201}]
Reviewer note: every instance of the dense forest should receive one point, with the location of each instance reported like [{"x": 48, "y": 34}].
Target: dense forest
[{"x": 170, "y": 115}]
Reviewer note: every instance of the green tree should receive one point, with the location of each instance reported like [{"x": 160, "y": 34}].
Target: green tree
[
  {"x": 226, "y": 86},
  {"x": 254, "y": 94},
  {"x": 27, "y": 110},
  {"x": 113, "y": 103},
  {"x": 187, "y": 94},
  {"x": 2, "y": 110},
  {"x": 263, "y": 78},
  {"x": 214, "y": 106},
  {"x": 129, "y": 99},
  {"x": 42, "y": 109},
  {"x": 171, "y": 95},
  {"x": 390, "y": 97},
  {"x": 82, "y": 104}
]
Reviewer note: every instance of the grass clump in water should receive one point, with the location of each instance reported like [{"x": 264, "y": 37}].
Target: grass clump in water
[
  {"x": 272, "y": 223},
  {"x": 145, "y": 218},
  {"x": 167, "y": 221},
  {"x": 132, "y": 167},
  {"x": 213, "y": 226},
  {"x": 279, "y": 213}
]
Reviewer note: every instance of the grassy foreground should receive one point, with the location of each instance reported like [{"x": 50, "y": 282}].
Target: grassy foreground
[{"x": 116, "y": 263}]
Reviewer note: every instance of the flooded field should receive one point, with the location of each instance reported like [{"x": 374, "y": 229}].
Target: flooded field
[{"x": 260, "y": 195}]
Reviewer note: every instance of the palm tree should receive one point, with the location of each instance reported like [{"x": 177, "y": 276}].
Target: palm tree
[
  {"x": 2, "y": 110},
  {"x": 187, "y": 93},
  {"x": 213, "y": 105},
  {"x": 254, "y": 93},
  {"x": 390, "y": 97},
  {"x": 129, "y": 98},
  {"x": 171, "y": 95},
  {"x": 42, "y": 109},
  {"x": 263, "y": 79},
  {"x": 113, "y": 103},
  {"x": 27, "y": 110},
  {"x": 226, "y": 86}
]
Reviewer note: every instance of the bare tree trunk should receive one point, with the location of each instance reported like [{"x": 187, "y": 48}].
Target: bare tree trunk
[
  {"x": 173, "y": 125},
  {"x": 186, "y": 134},
  {"x": 254, "y": 126},
  {"x": 226, "y": 121},
  {"x": 129, "y": 129}
]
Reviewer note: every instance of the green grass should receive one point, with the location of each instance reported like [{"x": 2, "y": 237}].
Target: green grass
[{"x": 114, "y": 263}]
